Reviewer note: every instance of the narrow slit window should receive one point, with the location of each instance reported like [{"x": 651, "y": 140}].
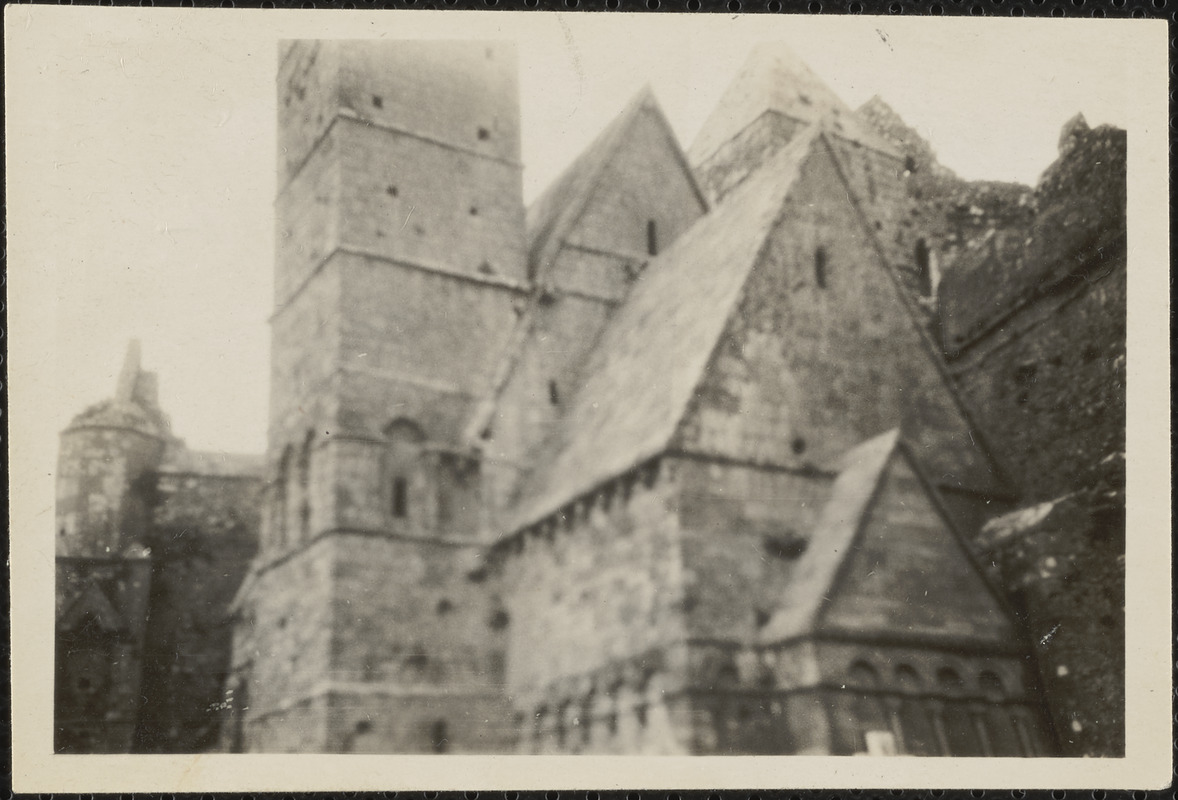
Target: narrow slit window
[
  {"x": 923, "y": 270},
  {"x": 400, "y": 497},
  {"x": 652, "y": 237},
  {"x": 820, "y": 267},
  {"x": 553, "y": 393}
]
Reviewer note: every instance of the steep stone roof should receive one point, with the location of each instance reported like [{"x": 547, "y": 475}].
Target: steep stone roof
[
  {"x": 135, "y": 405},
  {"x": 775, "y": 80},
  {"x": 876, "y": 541},
  {"x": 554, "y": 211},
  {"x": 830, "y": 542},
  {"x": 650, "y": 359}
]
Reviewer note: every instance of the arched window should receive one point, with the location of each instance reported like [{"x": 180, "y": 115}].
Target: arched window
[
  {"x": 652, "y": 237},
  {"x": 948, "y": 681},
  {"x": 862, "y": 675},
  {"x": 907, "y": 678},
  {"x": 991, "y": 686},
  {"x": 924, "y": 272},
  {"x": 820, "y": 267}
]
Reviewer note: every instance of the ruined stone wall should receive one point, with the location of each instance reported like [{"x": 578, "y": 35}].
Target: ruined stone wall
[
  {"x": 595, "y": 598},
  {"x": 1044, "y": 363},
  {"x": 1063, "y": 563},
  {"x": 1050, "y": 385},
  {"x": 96, "y": 512},
  {"x": 204, "y": 534}
]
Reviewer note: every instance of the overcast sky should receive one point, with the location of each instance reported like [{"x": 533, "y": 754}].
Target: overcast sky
[{"x": 142, "y": 151}]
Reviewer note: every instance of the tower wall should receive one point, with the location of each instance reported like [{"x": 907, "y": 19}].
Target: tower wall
[
  {"x": 400, "y": 251},
  {"x": 97, "y": 513}
]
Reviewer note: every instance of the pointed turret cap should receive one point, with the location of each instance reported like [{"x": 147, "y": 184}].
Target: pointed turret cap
[
  {"x": 774, "y": 79},
  {"x": 129, "y": 375}
]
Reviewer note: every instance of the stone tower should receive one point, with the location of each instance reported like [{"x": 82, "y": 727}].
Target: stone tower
[
  {"x": 103, "y": 568},
  {"x": 103, "y": 452},
  {"x": 399, "y": 265}
]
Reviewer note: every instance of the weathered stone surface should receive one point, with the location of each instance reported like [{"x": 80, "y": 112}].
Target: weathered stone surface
[
  {"x": 153, "y": 541},
  {"x": 612, "y": 476}
]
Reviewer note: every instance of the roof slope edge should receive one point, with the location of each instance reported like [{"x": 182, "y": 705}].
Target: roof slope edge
[{"x": 651, "y": 358}]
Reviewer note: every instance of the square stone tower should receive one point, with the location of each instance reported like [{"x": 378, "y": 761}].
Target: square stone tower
[{"x": 399, "y": 261}]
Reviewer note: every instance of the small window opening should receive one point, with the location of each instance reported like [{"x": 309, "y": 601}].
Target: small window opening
[
  {"x": 923, "y": 272},
  {"x": 400, "y": 497},
  {"x": 761, "y": 617},
  {"x": 392, "y": 191},
  {"x": 798, "y": 445},
  {"x": 444, "y": 606},
  {"x": 910, "y": 163},
  {"x": 486, "y": 268},
  {"x": 377, "y": 101},
  {"x": 820, "y": 267},
  {"x": 499, "y": 620},
  {"x": 474, "y": 211},
  {"x": 362, "y": 727},
  {"x": 652, "y": 237},
  {"x": 484, "y": 134},
  {"x": 553, "y": 393}
]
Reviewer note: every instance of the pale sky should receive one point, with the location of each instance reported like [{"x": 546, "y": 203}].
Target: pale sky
[{"x": 142, "y": 151}]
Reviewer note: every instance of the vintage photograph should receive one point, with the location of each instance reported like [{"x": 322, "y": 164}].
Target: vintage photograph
[{"x": 767, "y": 402}]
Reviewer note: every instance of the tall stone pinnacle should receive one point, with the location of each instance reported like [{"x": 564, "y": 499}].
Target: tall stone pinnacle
[
  {"x": 129, "y": 375},
  {"x": 773, "y": 79}
]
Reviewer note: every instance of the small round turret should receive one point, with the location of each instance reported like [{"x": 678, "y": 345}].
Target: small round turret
[{"x": 105, "y": 453}]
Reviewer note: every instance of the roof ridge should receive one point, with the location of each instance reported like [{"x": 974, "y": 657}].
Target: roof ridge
[{"x": 977, "y": 434}]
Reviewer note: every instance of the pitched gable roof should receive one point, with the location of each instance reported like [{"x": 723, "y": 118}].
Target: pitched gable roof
[
  {"x": 873, "y": 533},
  {"x": 775, "y": 80},
  {"x": 650, "y": 359},
  {"x": 557, "y": 209},
  {"x": 831, "y": 540}
]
